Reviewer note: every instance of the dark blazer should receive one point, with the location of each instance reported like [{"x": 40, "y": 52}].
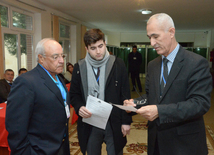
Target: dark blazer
[
  {"x": 35, "y": 115},
  {"x": 180, "y": 129},
  {"x": 4, "y": 90},
  {"x": 135, "y": 60},
  {"x": 116, "y": 91}
]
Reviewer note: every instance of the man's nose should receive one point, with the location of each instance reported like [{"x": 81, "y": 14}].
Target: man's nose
[
  {"x": 61, "y": 59},
  {"x": 152, "y": 42},
  {"x": 98, "y": 50}
]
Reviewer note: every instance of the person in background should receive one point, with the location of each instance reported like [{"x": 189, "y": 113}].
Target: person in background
[
  {"x": 103, "y": 76},
  {"x": 69, "y": 71},
  {"x": 178, "y": 87},
  {"x": 37, "y": 109},
  {"x": 22, "y": 70},
  {"x": 135, "y": 60},
  {"x": 5, "y": 84}
]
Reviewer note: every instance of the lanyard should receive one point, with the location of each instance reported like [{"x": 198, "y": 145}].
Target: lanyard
[{"x": 59, "y": 85}]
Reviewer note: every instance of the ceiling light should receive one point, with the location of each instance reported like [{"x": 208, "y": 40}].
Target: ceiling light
[{"x": 146, "y": 11}]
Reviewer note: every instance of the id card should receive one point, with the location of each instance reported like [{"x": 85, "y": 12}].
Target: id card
[{"x": 67, "y": 110}]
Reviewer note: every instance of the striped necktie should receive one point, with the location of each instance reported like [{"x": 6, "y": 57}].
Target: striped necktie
[{"x": 164, "y": 76}]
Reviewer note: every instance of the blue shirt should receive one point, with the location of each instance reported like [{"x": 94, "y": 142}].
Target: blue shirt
[
  {"x": 59, "y": 85},
  {"x": 171, "y": 58}
]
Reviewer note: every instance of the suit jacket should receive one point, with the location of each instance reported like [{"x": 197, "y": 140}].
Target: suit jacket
[
  {"x": 35, "y": 115},
  {"x": 4, "y": 90},
  {"x": 116, "y": 91},
  {"x": 135, "y": 60},
  {"x": 180, "y": 129}
]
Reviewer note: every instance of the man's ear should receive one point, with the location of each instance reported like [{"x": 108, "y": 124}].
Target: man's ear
[
  {"x": 41, "y": 59},
  {"x": 86, "y": 48},
  {"x": 172, "y": 32}
]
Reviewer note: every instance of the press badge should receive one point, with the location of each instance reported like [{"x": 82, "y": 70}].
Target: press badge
[
  {"x": 67, "y": 110},
  {"x": 134, "y": 58}
]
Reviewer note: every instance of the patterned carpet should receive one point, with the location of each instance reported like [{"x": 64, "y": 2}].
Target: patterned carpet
[{"x": 137, "y": 140}]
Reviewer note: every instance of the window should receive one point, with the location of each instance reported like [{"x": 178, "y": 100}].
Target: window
[
  {"x": 17, "y": 32},
  {"x": 64, "y": 40},
  {"x": 18, "y": 51},
  {"x": 22, "y": 21},
  {"x": 4, "y": 16},
  {"x": 64, "y": 31}
]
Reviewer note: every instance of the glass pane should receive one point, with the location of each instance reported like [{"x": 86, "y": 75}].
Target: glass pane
[
  {"x": 10, "y": 52},
  {"x": 26, "y": 51},
  {"x": 64, "y": 31},
  {"x": 66, "y": 49},
  {"x": 22, "y": 21},
  {"x": 4, "y": 16}
]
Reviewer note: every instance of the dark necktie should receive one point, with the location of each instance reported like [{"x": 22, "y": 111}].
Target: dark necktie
[
  {"x": 164, "y": 76},
  {"x": 10, "y": 84},
  {"x": 98, "y": 75}
]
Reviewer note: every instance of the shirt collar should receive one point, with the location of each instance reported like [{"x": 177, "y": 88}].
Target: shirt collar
[
  {"x": 172, "y": 55},
  {"x": 57, "y": 82}
]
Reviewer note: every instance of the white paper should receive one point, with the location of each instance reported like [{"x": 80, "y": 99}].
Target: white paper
[
  {"x": 100, "y": 110},
  {"x": 128, "y": 108}
]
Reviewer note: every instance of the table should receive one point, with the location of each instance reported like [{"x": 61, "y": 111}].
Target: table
[{"x": 4, "y": 147}]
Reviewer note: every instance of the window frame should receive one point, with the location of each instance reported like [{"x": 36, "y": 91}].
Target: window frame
[{"x": 21, "y": 12}]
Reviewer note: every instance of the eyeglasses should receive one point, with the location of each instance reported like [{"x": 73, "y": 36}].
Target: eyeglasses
[{"x": 56, "y": 56}]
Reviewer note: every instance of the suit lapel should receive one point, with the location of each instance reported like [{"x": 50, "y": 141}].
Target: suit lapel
[
  {"x": 50, "y": 84},
  {"x": 176, "y": 68},
  {"x": 157, "y": 71}
]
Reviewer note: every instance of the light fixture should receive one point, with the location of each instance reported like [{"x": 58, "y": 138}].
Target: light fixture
[{"x": 146, "y": 11}]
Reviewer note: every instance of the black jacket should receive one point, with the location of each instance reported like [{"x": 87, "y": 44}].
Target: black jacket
[{"x": 116, "y": 91}]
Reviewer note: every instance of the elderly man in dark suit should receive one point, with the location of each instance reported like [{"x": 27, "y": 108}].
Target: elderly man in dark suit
[
  {"x": 5, "y": 84},
  {"x": 37, "y": 111},
  {"x": 178, "y": 87}
]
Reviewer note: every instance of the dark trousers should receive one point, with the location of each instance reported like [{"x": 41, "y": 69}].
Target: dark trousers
[
  {"x": 135, "y": 76},
  {"x": 156, "y": 150},
  {"x": 63, "y": 149},
  {"x": 97, "y": 137}
]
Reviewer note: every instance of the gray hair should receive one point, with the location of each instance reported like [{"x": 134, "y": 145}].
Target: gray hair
[
  {"x": 40, "y": 48},
  {"x": 164, "y": 20}
]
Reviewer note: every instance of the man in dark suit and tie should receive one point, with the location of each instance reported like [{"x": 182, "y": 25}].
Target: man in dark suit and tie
[
  {"x": 178, "y": 87},
  {"x": 5, "y": 84},
  {"x": 37, "y": 110}
]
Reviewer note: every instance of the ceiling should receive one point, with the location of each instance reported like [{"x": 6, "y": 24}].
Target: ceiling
[{"x": 125, "y": 15}]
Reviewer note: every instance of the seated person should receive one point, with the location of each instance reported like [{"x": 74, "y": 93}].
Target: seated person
[
  {"x": 69, "y": 71},
  {"x": 22, "y": 70},
  {"x": 5, "y": 84}
]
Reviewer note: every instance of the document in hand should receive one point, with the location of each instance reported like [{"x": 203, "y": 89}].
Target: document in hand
[
  {"x": 128, "y": 108},
  {"x": 100, "y": 110}
]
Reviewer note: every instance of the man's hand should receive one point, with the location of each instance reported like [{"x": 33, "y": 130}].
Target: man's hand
[
  {"x": 129, "y": 102},
  {"x": 84, "y": 113},
  {"x": 149, "y": 112},
  {"x": 125, "y": 129}
]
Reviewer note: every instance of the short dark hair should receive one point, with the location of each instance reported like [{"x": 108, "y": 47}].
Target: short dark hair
[
  {"x": 9, "y": 70},
  {"x": 134, "y": 46},
  {"x": 22, "y": 69},
  {"x": 92, "y": 36}
]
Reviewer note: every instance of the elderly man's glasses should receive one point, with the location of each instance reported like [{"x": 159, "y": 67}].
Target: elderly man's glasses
[{"x": 56, "y": 56}]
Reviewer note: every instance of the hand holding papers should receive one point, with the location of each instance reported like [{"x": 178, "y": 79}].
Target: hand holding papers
[
  {"x": 100, "y": 112},
  {"x": 128, "y": 108}
]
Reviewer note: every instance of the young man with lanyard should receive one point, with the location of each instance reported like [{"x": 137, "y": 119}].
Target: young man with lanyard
[{"x": 103, "y": 76}]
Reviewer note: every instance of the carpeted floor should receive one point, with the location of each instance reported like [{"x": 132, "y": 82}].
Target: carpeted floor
[{"x": 137, "y": 140}]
